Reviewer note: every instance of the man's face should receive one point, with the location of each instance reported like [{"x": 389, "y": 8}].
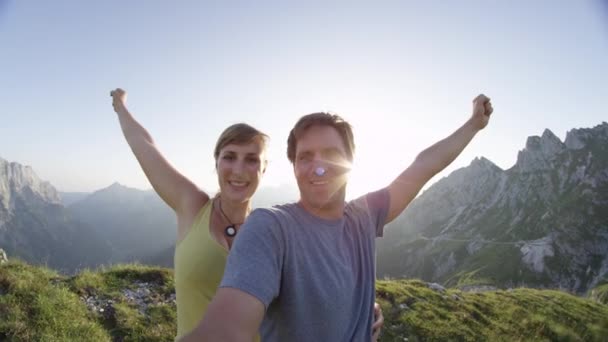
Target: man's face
[{"x": 321, "y": 168}]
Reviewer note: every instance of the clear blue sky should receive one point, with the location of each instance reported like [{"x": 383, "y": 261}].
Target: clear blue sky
[{"x": 403, "y": 72}]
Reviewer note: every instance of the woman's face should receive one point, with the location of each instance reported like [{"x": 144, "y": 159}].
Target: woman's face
[{"x": 240, "y": 168}]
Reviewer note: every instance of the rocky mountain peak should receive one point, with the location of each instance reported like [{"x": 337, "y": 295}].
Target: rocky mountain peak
[
  {"x": 547, "y": 144},
  {"x": 550, "y": 143},
  {"x": 117, "y": 188},
  {"x": 546, "y": 216},
  {"x": 480, "y": 171},
  {"x": 118, "y": 192},
  {"x": 577, "y": 139},
  {"x": 539, "y": 152},
  {"x": 484, "y": 164},
  {"x": 17, "y": 179}
]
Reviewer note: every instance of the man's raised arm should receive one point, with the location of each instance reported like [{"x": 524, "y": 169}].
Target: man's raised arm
[{"x": 435, "y": 158}]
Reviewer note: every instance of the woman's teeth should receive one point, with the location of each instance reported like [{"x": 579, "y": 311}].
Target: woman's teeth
[{"x": 238, "y": 183}]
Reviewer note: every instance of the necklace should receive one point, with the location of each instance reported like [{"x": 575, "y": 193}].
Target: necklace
[{"x": 230, "y": 229}]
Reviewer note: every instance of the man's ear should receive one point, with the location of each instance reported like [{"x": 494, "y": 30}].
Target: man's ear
[{"x": 265, "y": 166}]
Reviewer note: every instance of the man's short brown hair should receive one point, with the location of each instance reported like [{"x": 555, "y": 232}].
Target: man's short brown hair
[{"x": 343, "y": 128}]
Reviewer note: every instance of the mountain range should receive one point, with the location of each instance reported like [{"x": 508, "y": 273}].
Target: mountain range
[
  {"x": 72, "y": 230},
  {"x": 541, "y": 223},
  {"x": 36, "y": 227}
]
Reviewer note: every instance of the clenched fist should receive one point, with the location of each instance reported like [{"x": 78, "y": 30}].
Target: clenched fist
[
  {"x": 482, "y": 109},
  {"x": 119, "y": 99}
]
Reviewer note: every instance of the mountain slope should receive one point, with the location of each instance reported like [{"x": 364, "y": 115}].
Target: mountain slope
[
  {"x": 426, "y": 312},
  {"x": 136, "y": 223},
  {"x": 544, "y": 222},
  {"x": 69, "y": 198},
  {"x": 36, "y": 227}
]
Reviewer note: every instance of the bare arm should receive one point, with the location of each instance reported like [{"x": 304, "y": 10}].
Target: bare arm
[
  {"x": 175, "y": 189},
  {"x": 232, "y": 316},
  {"x": 378, "y": 323},
  {"x": 435, "y": 158}
]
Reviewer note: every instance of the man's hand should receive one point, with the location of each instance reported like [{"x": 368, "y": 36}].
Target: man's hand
[
  {"x": 378, "y": 323},
  {"x": 119, "y": 99},
  {"x": 482, "y": 109}
]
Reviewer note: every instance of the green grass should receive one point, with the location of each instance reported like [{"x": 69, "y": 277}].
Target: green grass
[
  {"x": 600, "y": 294},
  {"x": 37, "y": 304},
  {"x": 517, "y": 315},
  {"x": 110, "y": 281},
  {"x": 462, "y": 279},
  {"x": 33, "y": 309},
  {"x": 126, "y": 321}
]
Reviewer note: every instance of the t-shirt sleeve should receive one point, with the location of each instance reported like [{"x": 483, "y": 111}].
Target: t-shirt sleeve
[
  {"x": 255, "y": 260},
  {"x": 376, "y": 205}
]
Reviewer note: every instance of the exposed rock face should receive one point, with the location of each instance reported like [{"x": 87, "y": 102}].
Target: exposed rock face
[
  {"x": 34, "y": 226},
  {"x": 544, "y": 222},
  {"x": 540, "y": 152},
  {"x": 3, "y": 257},
  {"x": 115, "y": 224},
  {"x": 18, "y": 179}
]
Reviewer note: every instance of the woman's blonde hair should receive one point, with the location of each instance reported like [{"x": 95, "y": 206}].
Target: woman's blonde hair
[{"x": 240, "y": 133}]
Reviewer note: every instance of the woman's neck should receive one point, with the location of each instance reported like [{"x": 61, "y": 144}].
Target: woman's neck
[{"x": 235, "y": 212}]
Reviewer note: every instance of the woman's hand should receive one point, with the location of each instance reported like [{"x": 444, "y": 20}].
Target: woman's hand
[{"x": 378, "y": 323}]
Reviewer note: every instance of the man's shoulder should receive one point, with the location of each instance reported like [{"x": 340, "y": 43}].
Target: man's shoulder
[
  {"x": 371, "y": 200},
  {"x": 279, "y": 215},
  {"x": 276, "y": 210}
]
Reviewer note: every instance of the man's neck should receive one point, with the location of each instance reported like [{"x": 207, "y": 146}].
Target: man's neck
[{"x": 329, "y": 212}]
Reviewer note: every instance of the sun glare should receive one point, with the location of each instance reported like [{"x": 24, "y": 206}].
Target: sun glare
[
  {"x": 379, "y": 158},
  {"x": 368, "y": 174}
]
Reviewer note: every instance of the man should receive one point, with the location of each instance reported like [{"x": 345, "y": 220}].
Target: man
[{"x": 305, "y": 271}]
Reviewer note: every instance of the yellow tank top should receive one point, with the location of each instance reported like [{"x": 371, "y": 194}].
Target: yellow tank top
[
  {"x": 198, "y": 270},
  {"x": 199, "y": 267}
]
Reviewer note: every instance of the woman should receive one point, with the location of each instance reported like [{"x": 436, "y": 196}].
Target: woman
[{"x": 206, "y": 226}]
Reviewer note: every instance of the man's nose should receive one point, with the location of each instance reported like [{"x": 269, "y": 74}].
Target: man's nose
[{"x": 320, "y": 167}]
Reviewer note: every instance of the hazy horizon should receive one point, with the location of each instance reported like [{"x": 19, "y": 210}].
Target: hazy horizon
[
  {"x": 403, "y": 73},
  {"x": 293, "y": 186}
]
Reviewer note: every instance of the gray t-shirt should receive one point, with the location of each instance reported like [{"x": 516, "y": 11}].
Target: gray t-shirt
[{"x": 315, "y": 277}]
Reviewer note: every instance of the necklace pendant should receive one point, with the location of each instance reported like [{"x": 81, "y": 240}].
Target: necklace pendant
[{"x": 230, "y": 231}]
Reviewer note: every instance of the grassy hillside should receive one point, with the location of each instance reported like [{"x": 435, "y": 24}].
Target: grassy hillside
[
  {"x": 414, "y": 310},
  {"x": 123, "y": 303},
  {"x": 600, "y": 294},
  {"x": 137, "y": 303}
]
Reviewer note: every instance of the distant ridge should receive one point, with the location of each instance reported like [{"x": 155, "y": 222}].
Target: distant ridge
[{"x": 543, "y": 222}]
